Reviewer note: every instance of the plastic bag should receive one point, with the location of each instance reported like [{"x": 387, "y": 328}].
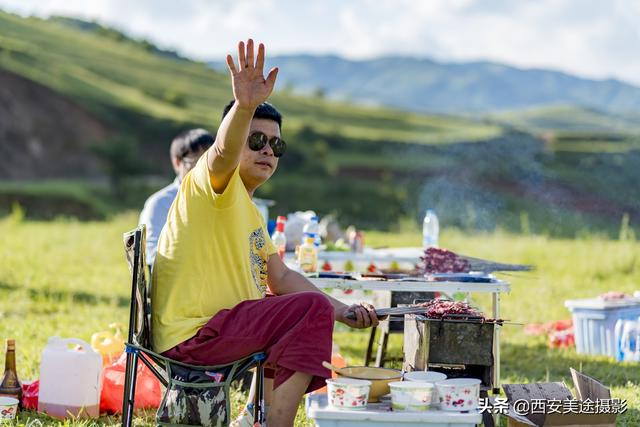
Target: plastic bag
[
  {"x": 148, "y": 388},
  {"x": 30, "y": 391}
]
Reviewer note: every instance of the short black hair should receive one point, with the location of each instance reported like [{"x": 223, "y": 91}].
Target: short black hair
[
  {"x": 190, "y": 141},
  {"x": 264, "y": 111}
]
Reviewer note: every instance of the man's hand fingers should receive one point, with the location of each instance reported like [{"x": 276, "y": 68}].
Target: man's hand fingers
[
  {"x": 271, "y": 78},
  {"x": 365, "y": 316},
  {"x": 231, "y": 65},
  {"x": 260, "y": 58},
  {"x": 250, "y": 53},
  {"x": 359, "y": 317},
  {"x": 242, "y": 60},
  {"x": 372, "y": 314}
]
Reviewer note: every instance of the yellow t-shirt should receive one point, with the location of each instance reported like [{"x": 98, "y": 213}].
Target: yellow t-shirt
[{"x": 212, "y": 254}]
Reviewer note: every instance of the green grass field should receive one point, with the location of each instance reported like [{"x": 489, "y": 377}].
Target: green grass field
[{"x": 69, "y": 278}]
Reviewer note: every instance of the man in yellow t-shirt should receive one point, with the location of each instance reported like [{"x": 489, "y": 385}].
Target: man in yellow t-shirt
[{"x": 215, "y": 260}]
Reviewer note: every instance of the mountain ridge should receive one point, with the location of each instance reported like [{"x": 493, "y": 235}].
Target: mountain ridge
[{"x": 449, "y": 87}]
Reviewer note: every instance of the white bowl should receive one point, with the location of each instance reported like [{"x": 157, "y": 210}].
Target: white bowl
[
  {"x": 459, "y": 394},
  {"x": 8, "y": 408},
  {"x": 427, "y": 377},
  {"x": 411, "y": 395},
  {"x": 348, "y": 393}
]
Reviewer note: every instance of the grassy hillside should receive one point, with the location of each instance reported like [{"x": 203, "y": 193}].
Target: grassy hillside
[
  {"x": 567, "y": 118},
  {"x": 374, "y": 167},
  {"x": 106, "y": 74}
]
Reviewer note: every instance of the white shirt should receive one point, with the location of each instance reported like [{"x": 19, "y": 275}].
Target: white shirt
[{"x": 154, "y": 216}]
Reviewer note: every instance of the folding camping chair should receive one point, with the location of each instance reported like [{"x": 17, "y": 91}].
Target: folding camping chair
[{"x": 195, "y": 395}]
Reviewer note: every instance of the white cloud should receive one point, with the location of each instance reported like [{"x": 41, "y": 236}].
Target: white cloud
[{"x": 591, "y": 38}]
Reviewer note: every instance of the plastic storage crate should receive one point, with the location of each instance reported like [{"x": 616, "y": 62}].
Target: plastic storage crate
[{"x": 595, "y": 320}]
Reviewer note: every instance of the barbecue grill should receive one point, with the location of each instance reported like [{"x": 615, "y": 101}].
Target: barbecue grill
[{"x": 458, "y": 346}]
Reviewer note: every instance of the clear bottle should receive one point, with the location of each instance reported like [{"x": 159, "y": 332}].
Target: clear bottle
[
  {"x": 308, "y": 257},
  {"x": 10, "y": 385},
  {"x": 430, "y": 229},
  {"x": 279, "y": 239},
  {"x": 311, "y": 228}
]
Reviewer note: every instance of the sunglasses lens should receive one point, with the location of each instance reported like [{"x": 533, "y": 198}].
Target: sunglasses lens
[
  {"x": 257, "y": 141},
  {"x": 278, "y": 146}
]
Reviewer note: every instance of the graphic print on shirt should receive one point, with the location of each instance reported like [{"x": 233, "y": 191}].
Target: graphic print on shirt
[{"x": 258, "y": 259}]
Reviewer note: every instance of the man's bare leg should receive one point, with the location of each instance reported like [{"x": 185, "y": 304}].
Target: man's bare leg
[{"x": 286, "y": 398}]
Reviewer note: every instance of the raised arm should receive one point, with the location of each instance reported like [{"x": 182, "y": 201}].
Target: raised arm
[{"x": 250, "y": 89}]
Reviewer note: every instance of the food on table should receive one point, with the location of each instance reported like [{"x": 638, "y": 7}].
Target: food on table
[
  {"x": 436, "y": 260},
  {"x": 613, "y": 296}
]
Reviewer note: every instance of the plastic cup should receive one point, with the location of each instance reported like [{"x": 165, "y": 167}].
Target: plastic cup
[
  {"x": 411, "y": 395},
  {"x": 8, "y": 408},
  {"x": 348, "y": 393}
]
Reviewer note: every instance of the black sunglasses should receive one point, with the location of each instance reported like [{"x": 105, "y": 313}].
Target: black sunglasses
[{"x": 257, "y": 141}]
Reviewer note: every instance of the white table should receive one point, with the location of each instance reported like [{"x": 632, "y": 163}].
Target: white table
[
  {"x": 386, "y": 255},
  {"x": 495, "y": 289},
  {"x": 380, "y": 415}
]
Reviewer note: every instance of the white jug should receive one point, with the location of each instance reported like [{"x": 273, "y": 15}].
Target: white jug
[
  {"x": 70, "y": 383},
  {"x": 630, "y": 341}
]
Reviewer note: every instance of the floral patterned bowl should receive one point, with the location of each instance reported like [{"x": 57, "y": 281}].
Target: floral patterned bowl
[
  {"x": 8, "y": 408},
  {"x": 411, "y": 395},
  {"x": 348, "y": 393},
  {"x": 459, "y": 394}
]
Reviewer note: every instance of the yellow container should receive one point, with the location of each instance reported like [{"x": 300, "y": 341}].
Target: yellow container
[
  {"x": 109, "y": 344},
  {"x": 379, "y": 377}
]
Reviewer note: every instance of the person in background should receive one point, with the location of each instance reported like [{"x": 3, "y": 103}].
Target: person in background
[{"x": 186, "y": 149}]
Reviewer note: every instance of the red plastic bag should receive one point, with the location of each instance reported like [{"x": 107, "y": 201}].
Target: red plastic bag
[
  {"x": 30, "y": 391},
  {"x": 148, "y": 388}
]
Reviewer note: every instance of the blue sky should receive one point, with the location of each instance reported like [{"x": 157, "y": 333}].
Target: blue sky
[{"x": 591, "y": 38}]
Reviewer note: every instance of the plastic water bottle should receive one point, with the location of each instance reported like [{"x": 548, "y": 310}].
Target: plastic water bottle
[
  {"x": 430, "y": 229},
  {"x": 312, "y": 229},
  {"x": 279, "y": 239}
]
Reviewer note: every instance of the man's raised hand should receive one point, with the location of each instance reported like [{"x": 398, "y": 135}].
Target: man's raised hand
[{"x": 250, "y": 88}]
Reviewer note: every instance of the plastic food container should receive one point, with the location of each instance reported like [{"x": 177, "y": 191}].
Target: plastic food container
[
  {"x": 348, "y": 393},
  {"x": 8, "y": 408},
  {"x": 411, "y": 395},
  {"x": 427, "y": 377},
  {"x": 459, "y": 394}
]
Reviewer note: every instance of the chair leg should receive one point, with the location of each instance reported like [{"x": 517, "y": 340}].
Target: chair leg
[
  {"x": 130, "y": 374},
  {"x": 487, "y": 417},
  {"x": 258, "y": 403}
]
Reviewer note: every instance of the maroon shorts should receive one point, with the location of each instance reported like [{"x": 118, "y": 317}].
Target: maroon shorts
[{"x": 295, "y": 331}]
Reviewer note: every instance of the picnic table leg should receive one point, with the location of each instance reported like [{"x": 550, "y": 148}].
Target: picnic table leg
[
  {"x": 496, "y": 344},
  {"x": 372, "y": 339},
  {"x": 382, "y": 344}
]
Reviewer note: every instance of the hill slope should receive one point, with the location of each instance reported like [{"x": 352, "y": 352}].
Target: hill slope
[
  {"x": 426, "y": 85},
  {"x": 371, "y": 166},
  {"x": 42, "y": 133},
  {"x": 567, "y": 118},
  {"x": 109, "y": 75}
]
